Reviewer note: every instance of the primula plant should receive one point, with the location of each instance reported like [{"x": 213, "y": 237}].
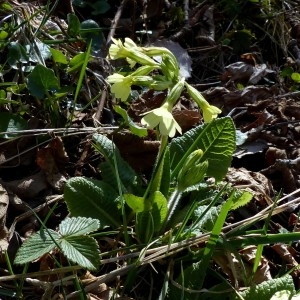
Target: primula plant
[{"x": 184, "y": 198}]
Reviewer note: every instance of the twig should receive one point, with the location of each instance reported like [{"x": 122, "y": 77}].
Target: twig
[{"x": 115, "y": 21}]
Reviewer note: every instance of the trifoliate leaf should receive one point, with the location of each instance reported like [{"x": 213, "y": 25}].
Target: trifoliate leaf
[
  {"x": 78, "y": 226},
  {"x": 36, "y": 245},
  {"x": 82, "y": 250}
]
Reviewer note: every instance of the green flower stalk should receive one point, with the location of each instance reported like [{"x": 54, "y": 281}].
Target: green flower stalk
[
  {"x": 210, "y": 112},
  {"x": 192, "y": 173}
]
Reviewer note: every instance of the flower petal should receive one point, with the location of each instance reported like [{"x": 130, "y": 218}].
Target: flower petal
[
  {"x": 210, "y": 112},
  {"x": 150, "y": 120},
  {"x": 121, "y": 90},
  {"x": 162, "y": 117}
]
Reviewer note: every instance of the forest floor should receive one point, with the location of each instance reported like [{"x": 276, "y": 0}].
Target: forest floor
[{"x": 243, "y": 56}]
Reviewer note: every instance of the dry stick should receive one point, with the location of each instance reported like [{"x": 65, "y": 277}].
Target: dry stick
[
  {"x": 100, "y": 107},
  {"x": 114, "y": 22},
  {"x": 186, "y": 26}
]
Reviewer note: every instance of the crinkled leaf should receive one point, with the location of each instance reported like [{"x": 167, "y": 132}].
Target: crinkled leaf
[
  {"x": 82, "y": 250},
  {"x": 134, "y": 128},
  {"x": 216, "y": 139},
  {"x": 78, "y": 226},
  {"x": 36, "y": 245},
  {"x": 207, "y": 220},
  {"x": 10, "y": 123},
  {"x": 242, "y": 198},
  {"x": 41, "y": 80},
  {"x": 266, "y": 289},
  {"x": 92, "y": 198}
]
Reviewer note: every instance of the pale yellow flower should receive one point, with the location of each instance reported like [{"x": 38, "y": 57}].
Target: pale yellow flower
[
  {"x": 163, "y": 118},
  {"x": 209, "y": 112},
  {"x": 121, "y": 85},
  {"x": 131, "y": 52},
  {"x": 117, "y": 50}
]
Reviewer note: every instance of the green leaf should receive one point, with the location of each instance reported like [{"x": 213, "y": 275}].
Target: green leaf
[
  {"x": 78, "y": 226},
  {"x": 296, "y": 77},
  {"x": 76, "y": 62},
  {"x": 92, "y": 198},
  {"x": 108, "y": 149},
  {"x": 79, "y": 3},
  {"x": 207, "y": 219},
  {"x": 99, "y": 7},
  {"x": 73, "y": 25},
  {"x": 193, "y": 276},
  {"x": 58, "y": 56},
  {"x": 286, "y": 72},
  {"x": 217, "y": 141},
  {"x": 3, "y": 35},
  {"x": 242, "y": 198},
  {"x": 41, "y": 80},
  {"x": 137, "y": 204},
  {"x": 9, "y": 123},
  {"x": 36, "y": 245},
  {"x": 82, "y": 250},
  {"x": 151, "y": 221},
  {"x": 92, "y": 33},
  {"x": 266, "y": 289},
  {"x": 135, "y": 129},
  {"x": 16, "y": 52}
]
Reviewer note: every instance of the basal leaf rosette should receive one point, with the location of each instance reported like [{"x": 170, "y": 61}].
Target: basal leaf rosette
[
  {"x": 209, "y": 112},
  {"x": 163, "y": 118}
]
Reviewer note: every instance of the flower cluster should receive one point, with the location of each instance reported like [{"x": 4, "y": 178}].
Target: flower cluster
[{"x": 169, "y": 79}]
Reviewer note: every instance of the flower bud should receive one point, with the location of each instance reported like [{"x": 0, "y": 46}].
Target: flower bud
[
  {"x": 142, "y": 80},
  {"x": 193, "y": 170},
  {"x": 170, "y": 67},
  {"x": 160, "y": 85},
  {"x": 175, "y": 92},
  {"x": 143, "y": 70}
]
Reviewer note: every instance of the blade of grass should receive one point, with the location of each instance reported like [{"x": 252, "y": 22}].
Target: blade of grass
[
  {"x": 213, "y": 239},
  {"x": 81, "y": 77},
  {"x": 247, "y": 240},
  {"x": 10, "y": 269},
  {"x": 260, "y": 247}
]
